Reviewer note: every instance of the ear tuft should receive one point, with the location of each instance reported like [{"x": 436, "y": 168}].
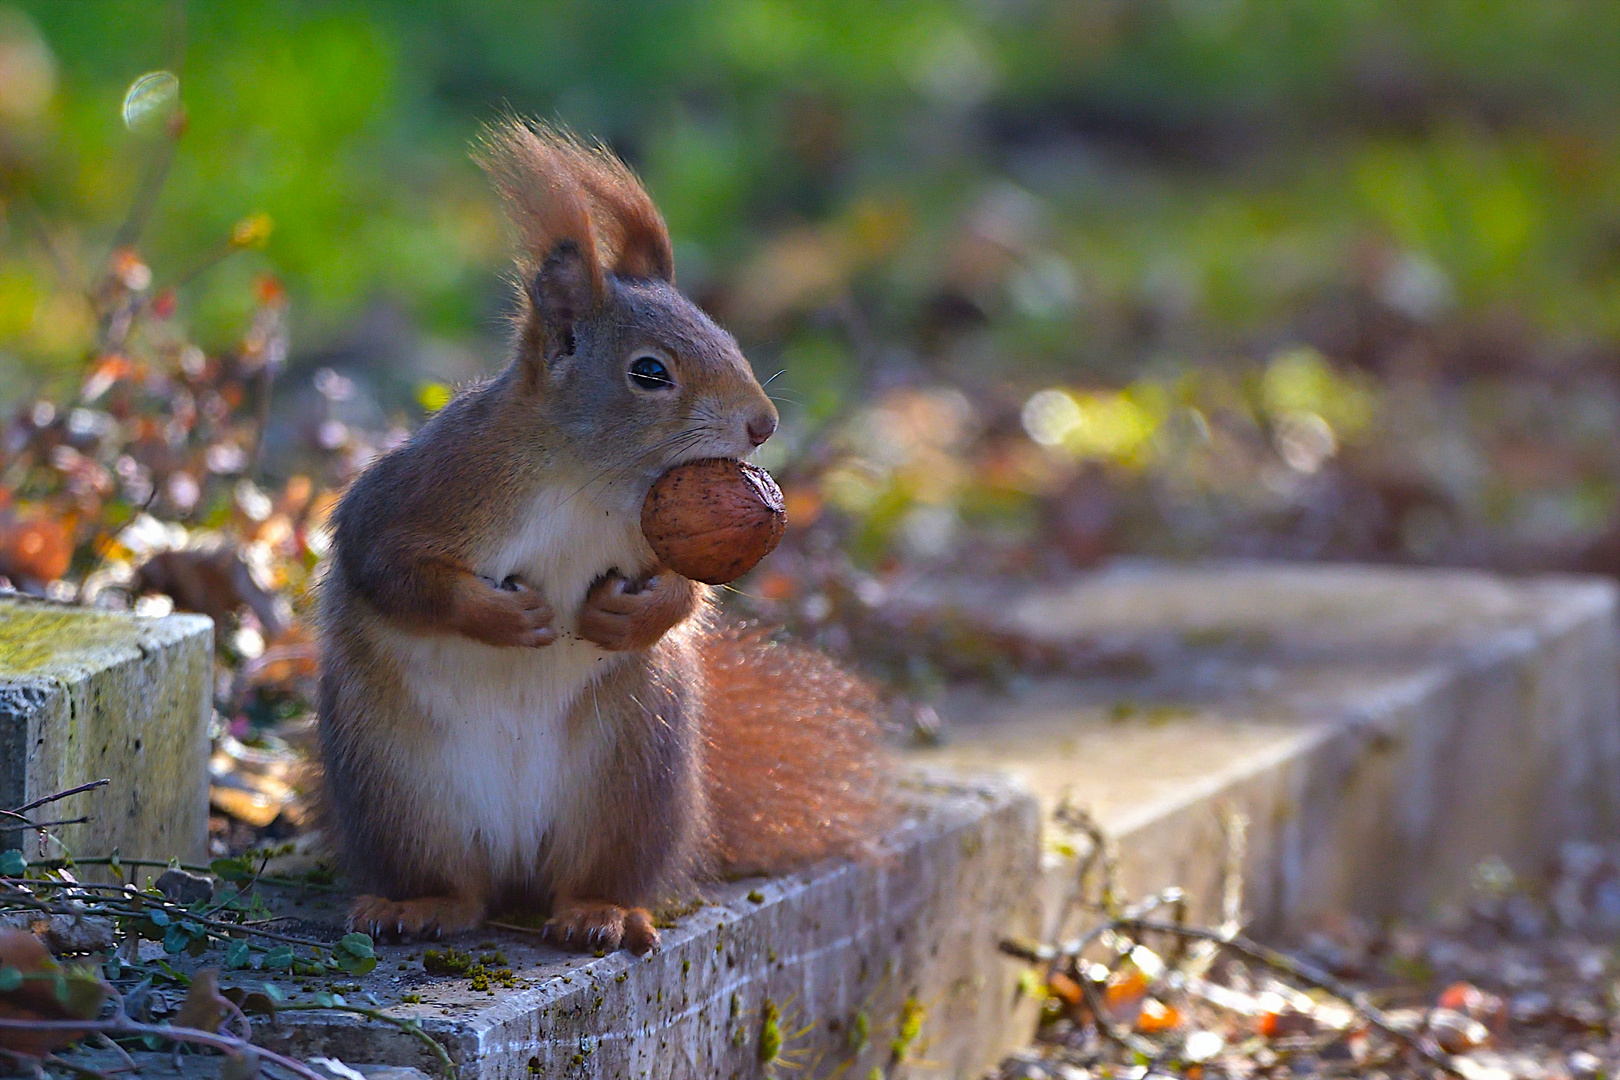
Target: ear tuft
[
  {"x": 558, "y": 188},
  {"x": 535, "y": 171}
]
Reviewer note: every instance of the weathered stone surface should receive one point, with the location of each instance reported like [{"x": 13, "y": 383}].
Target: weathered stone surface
[
  {"x": 209, "y": 1066},
  {"x": 1380, "y": 730},
  {"x": 893, "y": 957},
  {"x": 85, "y": 695}
]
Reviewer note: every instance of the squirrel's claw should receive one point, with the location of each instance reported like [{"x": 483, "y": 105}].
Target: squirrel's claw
[
  {"x": 508, "y": 613},
  {"x": 622, "y": 615},
  {"x": 425, "y": 917},
  {"x": 589, "y": 925}
]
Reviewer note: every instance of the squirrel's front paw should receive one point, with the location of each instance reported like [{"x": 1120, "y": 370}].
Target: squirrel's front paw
[
  {"x": 586, "y": 925},
  {"x": 621, "y": 615},
  {"x": 508, "y": 614}
]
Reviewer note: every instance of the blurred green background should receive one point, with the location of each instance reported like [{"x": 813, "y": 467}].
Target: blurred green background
[{"x": 1328, "y": 278}]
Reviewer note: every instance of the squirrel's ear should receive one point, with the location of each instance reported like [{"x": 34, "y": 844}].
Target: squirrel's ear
[
  {"x": 560, "y": 293},
  {"x": 644, "y": 249}
]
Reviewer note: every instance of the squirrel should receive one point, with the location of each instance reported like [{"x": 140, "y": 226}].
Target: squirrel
[{"x": 519, "y": 709}]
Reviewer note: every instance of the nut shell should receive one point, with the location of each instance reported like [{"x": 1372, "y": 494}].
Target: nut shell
[{"x": 713, "y": 520}]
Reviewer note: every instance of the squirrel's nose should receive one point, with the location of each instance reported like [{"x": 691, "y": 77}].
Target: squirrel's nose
[{"x": 761, "y": 428}]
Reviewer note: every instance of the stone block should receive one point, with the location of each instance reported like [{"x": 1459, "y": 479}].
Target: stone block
[
  {"x": 847, "y": 966},
  {"x": 87, "y": 694}
]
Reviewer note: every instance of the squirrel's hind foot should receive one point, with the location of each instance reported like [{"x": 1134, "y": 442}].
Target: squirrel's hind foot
[
  {"x": 587, "y": 925},
  {"x": 425, "y": 917}
]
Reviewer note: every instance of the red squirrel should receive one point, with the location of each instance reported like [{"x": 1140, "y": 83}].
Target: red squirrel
[{"x": 520, "y": 710}]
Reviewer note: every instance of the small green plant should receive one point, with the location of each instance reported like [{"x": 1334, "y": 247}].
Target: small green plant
[
  {"x": 912, "y": 1015},
  {"x": 446, "y": 962},
  {"x": 775, "y": 1037},
  {"x": 770, "y": 1032}
]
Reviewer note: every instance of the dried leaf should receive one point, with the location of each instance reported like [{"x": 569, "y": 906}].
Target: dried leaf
[
  {"x": 204, "y": 1007},
  {"x": 1156, "y": 1017},
  {"x": 38, "y": 988}
]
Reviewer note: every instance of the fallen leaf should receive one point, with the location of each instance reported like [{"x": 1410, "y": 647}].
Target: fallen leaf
[
  {"x": 1156, "y": 1017},
  {"x": 204, "y": 1007},
  {"x": 33, "y": 986}
]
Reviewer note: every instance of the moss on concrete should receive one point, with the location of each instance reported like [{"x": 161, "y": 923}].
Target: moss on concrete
[
  {"x": 34, "y": 637},
  {"x": 90, "y": 694}
]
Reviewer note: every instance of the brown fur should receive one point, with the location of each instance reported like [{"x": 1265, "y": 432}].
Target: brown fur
[
  {"x": 621, "y": 615},
  {"x": 557, "y": 189},
  {"x": 792, "y": 754},
  {"x": 517, "y": 707}
]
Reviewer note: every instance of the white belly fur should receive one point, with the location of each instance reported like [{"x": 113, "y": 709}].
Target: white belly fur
[{"x": 497, "y": 739}]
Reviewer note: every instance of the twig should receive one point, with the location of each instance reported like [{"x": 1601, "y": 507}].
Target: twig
[
  {"x": 37, "y": 803},
  {"x": 27, "y": 824},
  {"x": 123, "y": 1025},
  {"x": 515, "y": 928},
  {"x": 1099, "y": 1016},
  {"x": 1235, "y": 829},
  {"x": 1101, "y": 858},
  {"x": 102, "y": 1038},
  {"x": 151, "y": 901},
  {"x": 86, "y": 1071},
  {"x": 1124, "y": 926},
  {"x": 278, "y": 880},
  {"x": 410, "y": 1027},
  {"x": 52, "y": 883}
]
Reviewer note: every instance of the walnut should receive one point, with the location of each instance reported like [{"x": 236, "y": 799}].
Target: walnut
[{"x": 713, "y": 520}]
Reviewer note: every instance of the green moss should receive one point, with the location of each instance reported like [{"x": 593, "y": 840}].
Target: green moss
[
  {"x": 912, "y": 1015},
  {"x": 486, "y": 978},
  {"x": 770, "y": 1033},
  {"x": 36, "y": 636},
  {"x": 860, "y": 1032},
  {"x": 666, "y": 916},
  {"x": 447, "y": 962}
]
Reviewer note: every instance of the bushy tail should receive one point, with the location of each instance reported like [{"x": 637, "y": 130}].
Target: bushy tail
[{"x": 796, "y": 768}]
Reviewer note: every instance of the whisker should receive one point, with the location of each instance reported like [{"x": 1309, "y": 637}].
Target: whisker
[
  {"x": 601, "y": 728},
  {"x": 675, "y": 442},
  {"x": 772, "y": 379},
  {"x": 745, "y": 595}
]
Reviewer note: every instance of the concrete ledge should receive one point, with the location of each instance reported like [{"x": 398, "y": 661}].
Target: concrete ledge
[
  {"x": 85, "y": 695},
  {"x": 865, "y": 964},
  {"x": 1381, "y": 730}
]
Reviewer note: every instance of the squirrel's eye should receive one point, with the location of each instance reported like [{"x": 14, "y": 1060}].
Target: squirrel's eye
[{"x": 649, "y": 373}]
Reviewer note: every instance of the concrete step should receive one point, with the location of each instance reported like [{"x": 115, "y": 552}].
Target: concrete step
[
  {"x": 884, "y": 961},
  {"x": 86, "y": 695},
  {"x": 1381, "y": 731}
]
